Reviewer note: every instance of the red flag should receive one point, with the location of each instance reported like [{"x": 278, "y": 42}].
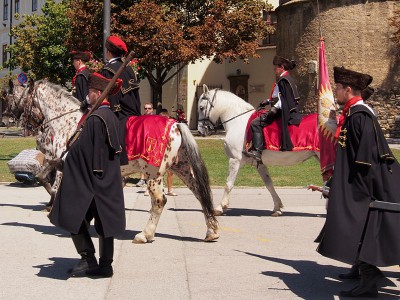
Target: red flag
[{"x": 326, "y": 117}]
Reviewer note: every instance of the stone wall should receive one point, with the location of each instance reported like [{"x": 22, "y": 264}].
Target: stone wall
[{"x": 357, "y": 36}]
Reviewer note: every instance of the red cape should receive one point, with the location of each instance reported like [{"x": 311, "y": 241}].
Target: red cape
[
  {"x": 304, "y": 136},
  {"x": 147, "y": 137}
]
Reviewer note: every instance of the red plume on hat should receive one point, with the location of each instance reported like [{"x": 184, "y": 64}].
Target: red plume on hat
[
  {"x": 85, "y": 56},
  {"x": 115, "y": 45},
  {"x": 99, "y": 82}
]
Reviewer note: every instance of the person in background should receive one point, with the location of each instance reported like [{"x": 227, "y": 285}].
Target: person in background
[
  {"x": 79, "y": 83},
  {"x": 148, "y": 110},
  {"x": 170, "y": 192},
  {"x": 91, "y": 187}
]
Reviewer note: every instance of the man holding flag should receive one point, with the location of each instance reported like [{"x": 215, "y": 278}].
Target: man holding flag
[{"x": 359, "y": 229}]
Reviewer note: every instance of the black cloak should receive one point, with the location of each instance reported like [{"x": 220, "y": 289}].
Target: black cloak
[
  {"x": 290, "y": 116},
  {"x": 126, "y": 102},
  {"x": 92, "y": 173},
  {"x": 365, "y": 170}
]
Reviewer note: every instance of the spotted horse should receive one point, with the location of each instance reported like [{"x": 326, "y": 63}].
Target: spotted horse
[{"x": 54, "y": 114}]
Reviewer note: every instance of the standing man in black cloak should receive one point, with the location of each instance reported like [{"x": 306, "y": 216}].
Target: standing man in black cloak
[
  {"x": 91, "y": 187},
  {"x": 287, "y": 96},
  {"x": 126, "y": 102},
  {"x": 365, "y": 170}
]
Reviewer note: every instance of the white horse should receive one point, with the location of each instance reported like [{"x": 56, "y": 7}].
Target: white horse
[
  {"x": 234, "y": 114},
  {"x": 56, "y": 112}
]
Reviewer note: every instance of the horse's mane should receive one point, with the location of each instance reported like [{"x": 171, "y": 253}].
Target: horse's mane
[
  {"x": 57, "y": 90},
  {"x": 234, "y": 100}
]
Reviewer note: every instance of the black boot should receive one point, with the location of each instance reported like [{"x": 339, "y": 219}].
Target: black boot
[
  {"x": 370, "y": 276},
  {"x": 354, "y": 273},
  {"x": 258, "y": 146},
  {"x": 106, "y": 249},
  {"x": 84, "y": 245}
]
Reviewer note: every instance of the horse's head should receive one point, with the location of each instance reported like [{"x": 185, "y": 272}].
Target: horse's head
[
  {"x": 206, "y": 103},
  {"x": 20, "y": 105}
]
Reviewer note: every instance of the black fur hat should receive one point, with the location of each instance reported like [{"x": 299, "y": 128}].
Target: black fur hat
[
  {"x": 85, "y": 56},
  {"x": 351, "y": 78},
  {"x": 367, "y": 92},
  {"x": 281, "y": 61},
  {"x": 99, "y": 82}
]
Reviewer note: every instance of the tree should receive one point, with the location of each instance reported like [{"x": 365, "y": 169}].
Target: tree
[
  {"x": 39, "y": 47},
  {"x": 166, "y": 35}
]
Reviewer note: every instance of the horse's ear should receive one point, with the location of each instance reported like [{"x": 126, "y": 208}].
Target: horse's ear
[{"x": 205, "y": 89}]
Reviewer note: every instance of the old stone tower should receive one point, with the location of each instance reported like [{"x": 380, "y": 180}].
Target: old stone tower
[{"x": 357, "y": 36}]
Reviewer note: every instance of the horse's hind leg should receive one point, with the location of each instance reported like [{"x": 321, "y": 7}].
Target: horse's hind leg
[
  {"x": 183, "y": 171},
  {"x": 234, "y": 166},
  {"x": 263, "y": 171},
  {"x": 158, "y": 201}
]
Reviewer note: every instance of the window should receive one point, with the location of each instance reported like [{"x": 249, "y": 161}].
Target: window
[
  {"x": 17, "y": 6},
  {"x": 34, "y": 5},
  {"x": 270, "y": 19},
  {"x": 5, "y": 10},
  {"x": 4, "y": 57}
]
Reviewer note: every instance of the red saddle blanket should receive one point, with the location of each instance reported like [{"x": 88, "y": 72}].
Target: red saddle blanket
[
  {"x": 304, "y": 136},
  {"x": 147, "y": 137}
]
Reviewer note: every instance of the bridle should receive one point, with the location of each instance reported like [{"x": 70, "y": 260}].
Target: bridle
[
  {"x": 207, "y": 123},
  {"x": 29, "y": 118}
]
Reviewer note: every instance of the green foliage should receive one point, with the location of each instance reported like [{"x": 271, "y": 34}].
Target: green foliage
[{"x": 39, "y": 48}]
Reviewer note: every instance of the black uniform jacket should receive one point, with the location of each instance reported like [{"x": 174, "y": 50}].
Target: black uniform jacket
[
  {"x": 81, "y": 88},
  {"x": 365, "y": 169},
  {"x": 92, "y": 173},
  {"x": 127, "y": 101},
  {"x": 290, "y": 115}
]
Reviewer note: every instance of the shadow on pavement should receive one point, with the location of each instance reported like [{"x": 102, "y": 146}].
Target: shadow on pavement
[
  {"x": 40, "y": 207},
  {"x": 58, "y": 269},
  {"x": 130, "y": 234},
  {"x": 315, "y": 281},
  {"x": 43, "y": 229},
  {"x": 237, "y": 212}
]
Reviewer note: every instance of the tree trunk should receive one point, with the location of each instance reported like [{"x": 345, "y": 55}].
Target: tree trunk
[{"x": 157, "y": 96}]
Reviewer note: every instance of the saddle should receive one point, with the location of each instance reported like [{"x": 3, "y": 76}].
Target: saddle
[
  {"x": 304, "y": 136},
  {"x": 147, "y": 137}
]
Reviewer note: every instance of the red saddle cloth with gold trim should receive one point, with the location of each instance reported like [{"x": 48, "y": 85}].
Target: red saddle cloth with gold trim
[
  {"x": 147, "y": 137},
  {"x": 304, "y": 136}
]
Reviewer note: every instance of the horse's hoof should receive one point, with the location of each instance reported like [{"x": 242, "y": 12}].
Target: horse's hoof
[
  {"x": 140, "y": 238},
  {"x": 211, "y": 237},
  {"x": 47, "y": 208},
  {"x": 277, "y": 213},
  {"x": 219, "y": 210}
]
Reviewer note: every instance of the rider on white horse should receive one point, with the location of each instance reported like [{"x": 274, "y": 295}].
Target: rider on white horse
[{"x": 285, "y": 91}]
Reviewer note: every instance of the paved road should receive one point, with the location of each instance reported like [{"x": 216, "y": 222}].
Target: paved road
[{"x": 256, "y": 257}]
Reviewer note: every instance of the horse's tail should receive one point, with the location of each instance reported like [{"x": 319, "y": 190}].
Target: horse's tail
[{"x": 200, "y": 174}]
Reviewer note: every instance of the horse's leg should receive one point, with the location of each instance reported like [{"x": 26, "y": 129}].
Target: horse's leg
[
  {"x": 263, "y": 171},
  {"x": 158, "y": 201},
  {"x": 183, "y": 170},
  {"x": 234, "y": 166},
  {"x": 54, "y": 189}
]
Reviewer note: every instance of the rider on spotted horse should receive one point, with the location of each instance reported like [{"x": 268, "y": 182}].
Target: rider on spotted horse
[{"x": 286, "y": 107}]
